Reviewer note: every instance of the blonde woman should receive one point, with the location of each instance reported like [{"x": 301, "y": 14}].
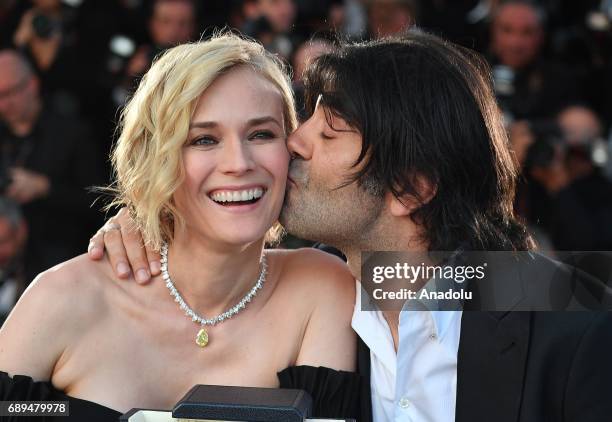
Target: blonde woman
[{"x": 201, "y": 162}]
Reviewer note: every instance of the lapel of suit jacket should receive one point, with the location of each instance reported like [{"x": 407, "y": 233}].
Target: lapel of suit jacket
[
  {"x": 491, "y": 364},
  {"x": 363, "y": 358},
  {"x": 363, "y": 369}
]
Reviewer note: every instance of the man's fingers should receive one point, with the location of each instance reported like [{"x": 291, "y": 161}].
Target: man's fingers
[
  {"x": 124, "y": 246},
  {"x": 113, "y": 242},
  {"x": 96, "y": 246},
  {"x": 154, "y": 261},
  {"x": 134, "y": 246}
]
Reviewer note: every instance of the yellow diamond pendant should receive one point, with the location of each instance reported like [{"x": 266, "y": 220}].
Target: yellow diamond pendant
[{"x": 202, "y": 337}]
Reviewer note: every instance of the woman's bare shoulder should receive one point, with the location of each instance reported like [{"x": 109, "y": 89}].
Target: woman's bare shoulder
[
  {"x": 315, "y": 272},
  {"x": 78, "y": 272},
  {"x": 54, "y": 311},
  {"x": 326, "y": 290},
  {"x": 75, "y": 286}
]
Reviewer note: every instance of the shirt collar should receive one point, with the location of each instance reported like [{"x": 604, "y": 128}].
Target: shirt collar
[
  {"x": 442, "y": 312},
  {"x": 373, "y": 329}
]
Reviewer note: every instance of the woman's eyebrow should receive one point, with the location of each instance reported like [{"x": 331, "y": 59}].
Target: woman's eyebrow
[
  {"x": 261, "y": 120},
  {"x": 251, "y": 122},
  {"x": 203, "y": 125}
]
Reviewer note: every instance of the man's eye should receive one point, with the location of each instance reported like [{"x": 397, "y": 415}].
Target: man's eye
[{"x": 204, "y": 141}]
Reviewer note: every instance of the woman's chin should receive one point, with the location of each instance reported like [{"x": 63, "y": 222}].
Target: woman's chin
[{"x": 242, "y": 237}]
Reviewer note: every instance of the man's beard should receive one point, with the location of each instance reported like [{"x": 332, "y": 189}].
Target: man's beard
[{"x": 337, "y": 216}]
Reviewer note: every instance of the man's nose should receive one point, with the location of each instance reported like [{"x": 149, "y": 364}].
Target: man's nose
[{"x": 298, "y": 144}]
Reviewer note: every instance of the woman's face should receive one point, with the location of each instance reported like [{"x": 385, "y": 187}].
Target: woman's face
[{"x": 235, "y": 160}]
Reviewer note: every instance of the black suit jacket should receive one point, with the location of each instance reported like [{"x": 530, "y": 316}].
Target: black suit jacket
[
  {"x": 535, "y": 367},
  {"x": 532, "y": 366}
]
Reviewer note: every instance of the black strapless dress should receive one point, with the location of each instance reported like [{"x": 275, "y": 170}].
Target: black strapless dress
[
  {"x": 21, "y": 387},
  {"x": 335, "y": 395}
]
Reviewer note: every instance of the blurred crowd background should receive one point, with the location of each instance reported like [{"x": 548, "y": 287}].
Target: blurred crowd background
[{"x": 67, "y": 67}]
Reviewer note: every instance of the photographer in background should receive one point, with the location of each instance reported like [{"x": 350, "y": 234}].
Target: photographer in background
[
  {"x": 582, "y": 216},
  {"x": 171, "y": 22},
  {"x": 565, "y": 199},
  {"x": 46, "y": 163},
  {"x": 272, "y": 22},
  {"x": 527, "y": 85},
  {"x": 47, "y": 36}
]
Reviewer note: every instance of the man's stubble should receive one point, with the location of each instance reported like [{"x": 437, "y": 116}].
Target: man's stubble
[{"x": 340, "y": 216}]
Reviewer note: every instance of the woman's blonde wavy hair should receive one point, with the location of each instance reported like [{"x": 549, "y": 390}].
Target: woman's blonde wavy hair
[{"x": 147, "y": 159}]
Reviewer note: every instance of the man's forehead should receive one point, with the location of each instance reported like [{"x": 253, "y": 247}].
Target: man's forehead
[{"x": 333, "y": 119}]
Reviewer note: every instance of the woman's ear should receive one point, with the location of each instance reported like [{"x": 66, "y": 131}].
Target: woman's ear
[{"x": 406, "y": 204}]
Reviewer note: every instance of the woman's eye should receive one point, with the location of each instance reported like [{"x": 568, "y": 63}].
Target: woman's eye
[
  {"x": 204, "y": 141},
  {"x": 263, "y": 134}
]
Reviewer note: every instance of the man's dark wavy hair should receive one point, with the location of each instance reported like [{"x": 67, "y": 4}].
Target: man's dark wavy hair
[{"x": 425, "y": 108}]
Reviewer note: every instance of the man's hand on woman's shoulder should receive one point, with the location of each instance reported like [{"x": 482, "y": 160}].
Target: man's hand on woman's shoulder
[{"x": 125, "y": 248}]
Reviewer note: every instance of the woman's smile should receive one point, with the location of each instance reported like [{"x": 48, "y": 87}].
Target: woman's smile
[{"x": 239, "y": 199}]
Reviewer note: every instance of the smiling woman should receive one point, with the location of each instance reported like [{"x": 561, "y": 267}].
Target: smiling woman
[
  {"x": 238, "y": 129},
  {"x": 225, "y": 91},
  {"x": 201, "y": 162}
]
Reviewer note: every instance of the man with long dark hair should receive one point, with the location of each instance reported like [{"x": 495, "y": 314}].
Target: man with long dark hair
[{"x": 405, "y": 151}]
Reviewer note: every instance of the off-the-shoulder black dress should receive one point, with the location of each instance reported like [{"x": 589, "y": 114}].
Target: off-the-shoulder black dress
[{"x": 335, "y": 394}]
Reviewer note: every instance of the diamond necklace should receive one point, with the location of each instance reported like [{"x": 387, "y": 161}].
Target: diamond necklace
[{"x": 202, "y": 337}]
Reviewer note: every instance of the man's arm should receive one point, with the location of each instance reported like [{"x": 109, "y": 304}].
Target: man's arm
[{"x": 125, "y": 248}]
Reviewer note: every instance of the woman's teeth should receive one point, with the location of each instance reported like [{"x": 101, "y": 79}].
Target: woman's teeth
[{"x": 237, "y": 195}]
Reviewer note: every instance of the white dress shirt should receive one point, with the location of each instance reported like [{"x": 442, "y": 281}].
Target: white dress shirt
[{"x": 419, "y": 383}]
